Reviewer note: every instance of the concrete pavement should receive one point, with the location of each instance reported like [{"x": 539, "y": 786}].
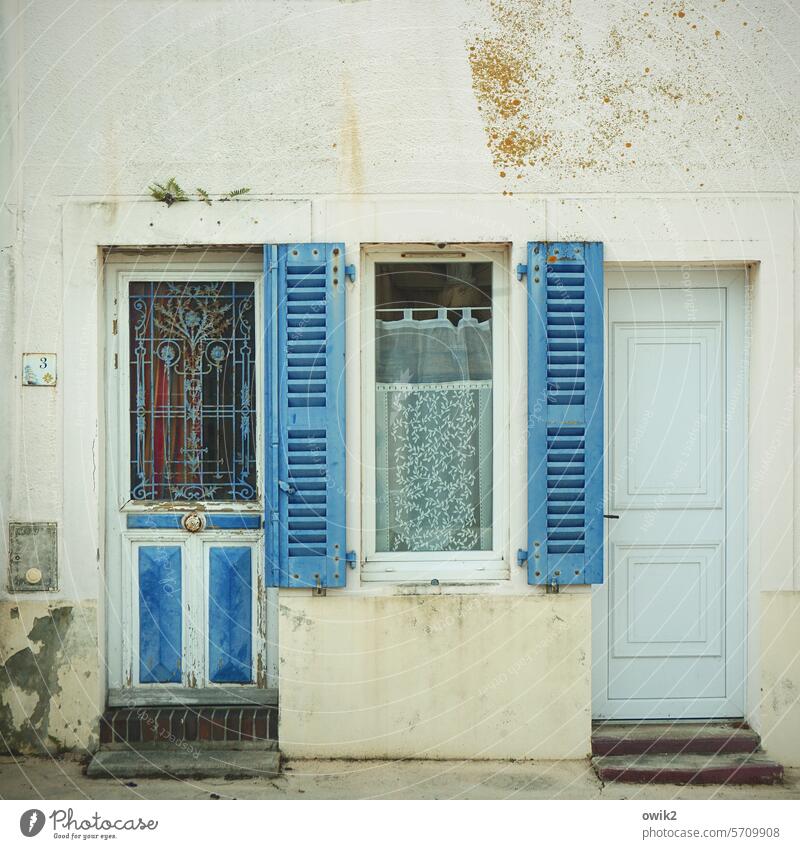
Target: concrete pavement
[{"x": 64, "y": 778}]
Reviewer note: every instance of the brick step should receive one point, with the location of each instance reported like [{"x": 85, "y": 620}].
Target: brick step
[
  {"x": 180, "y": 727},
  {"x": 702, "y": 738},
  {"x": 737, "y": 768}
]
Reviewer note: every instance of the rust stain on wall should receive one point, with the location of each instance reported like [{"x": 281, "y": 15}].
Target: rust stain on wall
[
  {"x": 569, "y": 94},
  {"x": 351, "y": 156}
]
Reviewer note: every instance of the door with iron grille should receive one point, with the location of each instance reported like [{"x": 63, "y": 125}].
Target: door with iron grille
[{"x": 187, "y": 605}]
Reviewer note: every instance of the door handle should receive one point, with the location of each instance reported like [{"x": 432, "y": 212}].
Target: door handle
[
  {"x": 286, "y": 487},
  {"x": 193, "y": 522}
]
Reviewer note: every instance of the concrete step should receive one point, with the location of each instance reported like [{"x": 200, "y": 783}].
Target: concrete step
[
  {"x": 701, "y": 738},
  {"x": 200, "y": 763},
  {"x": 737, "y": 768}
]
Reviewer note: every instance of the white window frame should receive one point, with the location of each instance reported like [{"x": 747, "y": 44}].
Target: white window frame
[{"x": 444, "y": 566}]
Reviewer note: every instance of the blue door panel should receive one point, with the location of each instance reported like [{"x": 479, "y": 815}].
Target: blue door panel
[
  {"x": 160, "y": 620},
  {"x": 230, "y": 613}
]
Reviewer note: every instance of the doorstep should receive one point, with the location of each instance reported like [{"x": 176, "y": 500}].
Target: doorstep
[
  {"x": 681, "y": 753},
  {"x": 187, "y": 742}
]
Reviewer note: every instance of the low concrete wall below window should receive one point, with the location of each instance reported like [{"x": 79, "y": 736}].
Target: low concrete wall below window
[{"x": 443, "y": 676}]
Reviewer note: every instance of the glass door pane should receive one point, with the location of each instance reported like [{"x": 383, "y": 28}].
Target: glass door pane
[{"x": 192, "y": 391}]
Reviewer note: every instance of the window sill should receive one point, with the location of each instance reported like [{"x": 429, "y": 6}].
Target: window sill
[{"x": 426, "y": 573}]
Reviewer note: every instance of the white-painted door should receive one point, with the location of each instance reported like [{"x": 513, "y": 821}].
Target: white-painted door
[
  {"x": 189, "y": 617},
  {"x": 669, "y": 622}
]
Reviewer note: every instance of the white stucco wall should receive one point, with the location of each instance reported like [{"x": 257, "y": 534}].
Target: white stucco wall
[{"x": 667, "y": 130}]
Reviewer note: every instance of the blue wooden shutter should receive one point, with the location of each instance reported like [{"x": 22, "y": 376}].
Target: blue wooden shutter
[
  {"x": 305, "y": 399},
  {"x": 565, "y": 413}
]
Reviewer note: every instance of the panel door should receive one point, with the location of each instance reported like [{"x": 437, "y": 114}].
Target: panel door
[
  {"x": 669, "y": 623},
  {"x": 187, "y": 599}
]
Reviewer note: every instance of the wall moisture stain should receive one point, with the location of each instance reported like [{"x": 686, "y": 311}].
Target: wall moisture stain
[{"x": 46, "y": 676}]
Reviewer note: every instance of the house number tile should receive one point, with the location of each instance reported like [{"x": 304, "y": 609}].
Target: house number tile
[{"x": 38, "y": 369}]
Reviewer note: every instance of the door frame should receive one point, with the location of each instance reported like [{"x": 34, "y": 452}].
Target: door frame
[
  {"x": 737, "y": 583},
  {"x": 118, "y": 271}
]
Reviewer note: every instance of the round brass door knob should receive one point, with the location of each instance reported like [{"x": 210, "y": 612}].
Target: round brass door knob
[{"x": 193, "y": 523}]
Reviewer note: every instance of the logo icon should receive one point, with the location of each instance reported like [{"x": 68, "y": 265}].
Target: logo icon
[{"x": 31, "y": 822}]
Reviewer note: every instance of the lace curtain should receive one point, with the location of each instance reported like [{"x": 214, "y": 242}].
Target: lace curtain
[{"x": 434, "y": 434}]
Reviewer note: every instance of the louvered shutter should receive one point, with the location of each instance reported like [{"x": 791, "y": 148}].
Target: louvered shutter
[
  {"x": 565, "y": 413},
  {"x": 305, "y": 401}
]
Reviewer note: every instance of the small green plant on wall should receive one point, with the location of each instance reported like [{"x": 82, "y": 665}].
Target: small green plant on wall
[
  {"x": 170, "y": 192},
  {"x": 236, "y": 193}
]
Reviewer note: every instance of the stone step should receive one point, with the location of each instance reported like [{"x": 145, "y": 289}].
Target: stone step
[
  {"x": 701, "y": 738},
  {"x": 172, "y": 763},
  {"x": 737, "y": 768}
]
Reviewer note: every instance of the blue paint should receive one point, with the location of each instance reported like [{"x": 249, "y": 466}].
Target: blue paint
[
  {"x": 230, "y": 625},
  {"x": 214, "y": 521},
  {"x": 163, "y": 522},
  {"x": 230, "y": 522},
  {"x": 593, "y": 410},
  {"x": 565, "y": 413},
  {"x": 305, "y": 498},
  {"x": 272, "y": 419},
  {"x": 160, "y": 614}
]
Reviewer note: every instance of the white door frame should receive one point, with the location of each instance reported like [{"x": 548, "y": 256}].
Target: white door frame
[
  {"x": 734, "y": 278},
  {"x": 122, "y": 678}
]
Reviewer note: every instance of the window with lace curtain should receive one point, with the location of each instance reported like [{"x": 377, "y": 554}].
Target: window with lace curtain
[{"x": 433, "y": 397}]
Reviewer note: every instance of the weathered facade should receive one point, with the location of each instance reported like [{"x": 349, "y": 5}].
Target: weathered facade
[{"x": 668, "y": 132}]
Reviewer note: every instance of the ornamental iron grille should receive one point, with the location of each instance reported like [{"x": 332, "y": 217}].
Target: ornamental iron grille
[{"x": 192, "y": 391}]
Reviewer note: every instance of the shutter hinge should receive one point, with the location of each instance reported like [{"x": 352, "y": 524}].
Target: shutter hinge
[
  {"x": 522, "y": 557},
  {"x": 286, "y": 487},
  {"x": 114, "y": 327},
  {"x": 552, "y": 587},
  {"x": 350, "y": 271},
  {"x": 116, "y": 360},
  {"x": 351, "y": 557},
  {"x": 319, "y": 589},
  {"x": 522, "y": 270}
]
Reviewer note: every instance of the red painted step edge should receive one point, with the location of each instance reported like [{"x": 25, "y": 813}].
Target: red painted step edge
[
  {"x": 742, "y": 774},
  {"x": 700, "y": 745}
]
